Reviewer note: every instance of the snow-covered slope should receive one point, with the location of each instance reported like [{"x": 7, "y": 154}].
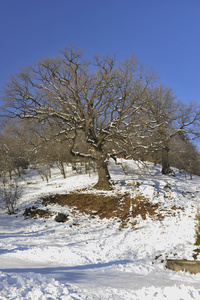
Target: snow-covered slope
[{"x": 92, "y": 258}]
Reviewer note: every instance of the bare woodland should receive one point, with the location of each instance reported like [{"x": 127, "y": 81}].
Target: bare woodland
[{"x": 71, "y": 108}]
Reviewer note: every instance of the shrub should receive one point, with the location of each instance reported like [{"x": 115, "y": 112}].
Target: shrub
[{"x": 10, "y": 192}]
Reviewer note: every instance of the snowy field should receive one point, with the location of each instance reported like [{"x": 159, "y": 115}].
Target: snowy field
[{"x": 93, "y": 258}]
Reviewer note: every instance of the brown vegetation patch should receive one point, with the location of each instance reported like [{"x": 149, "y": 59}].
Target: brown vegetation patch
[
  {"x": 34, "y": 212},
  {"x": 196, "y": 253},
  {"x": 174, "y": 207},
  {"x": 122, "y": 206}
]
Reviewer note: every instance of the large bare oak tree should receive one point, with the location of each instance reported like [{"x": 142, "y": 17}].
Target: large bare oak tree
[
  {"x": 101, "y": 107},
  {"x": 97, "y": 99}
]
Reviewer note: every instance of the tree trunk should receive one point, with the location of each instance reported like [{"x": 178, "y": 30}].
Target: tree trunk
[
  {"x": 165, "y": 161},
  {"x": 61, "y": 167},
  {"x": 103, "y": 174}
]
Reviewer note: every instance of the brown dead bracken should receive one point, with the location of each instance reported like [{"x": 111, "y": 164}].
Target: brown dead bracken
[
  {"x": 34, "y": 213},
  {"x": 122, "y": 206}
]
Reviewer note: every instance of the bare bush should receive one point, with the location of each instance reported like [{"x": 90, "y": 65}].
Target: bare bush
[
  {"x": 10, "y": 192},
  {"x": 44, "y": 170}
]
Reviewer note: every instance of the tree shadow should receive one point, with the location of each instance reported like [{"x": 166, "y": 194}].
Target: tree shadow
[{"x": 67, "y": 274}]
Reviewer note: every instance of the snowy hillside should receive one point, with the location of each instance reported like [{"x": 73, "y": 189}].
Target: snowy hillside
[{"x": 91, "y": 257}]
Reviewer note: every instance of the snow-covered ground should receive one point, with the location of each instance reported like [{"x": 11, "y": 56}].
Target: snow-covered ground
[{"x": 90, "y": 258}]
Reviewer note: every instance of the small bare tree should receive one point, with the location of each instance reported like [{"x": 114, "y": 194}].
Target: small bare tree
[
  {"x": 10, "y": 192},
  {"x": 14, "y": 149}
]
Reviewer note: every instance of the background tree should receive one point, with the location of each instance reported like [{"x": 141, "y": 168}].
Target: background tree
[
  {"x": 184, "y": 155},
  {"x": 169, "y": 118},
  {"x": 14, "y": 151}
]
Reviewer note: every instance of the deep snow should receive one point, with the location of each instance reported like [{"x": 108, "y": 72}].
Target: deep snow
[{"x": 89, "y": 258}]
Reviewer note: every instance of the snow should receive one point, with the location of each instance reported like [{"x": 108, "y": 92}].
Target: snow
[{"x": 90, "y": 258}]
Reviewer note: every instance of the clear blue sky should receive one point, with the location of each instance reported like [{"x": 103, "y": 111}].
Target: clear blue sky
[{"x": 164, "y": 34}]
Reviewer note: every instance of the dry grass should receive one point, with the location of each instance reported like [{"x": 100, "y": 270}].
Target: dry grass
[
  {"x": 34, "y": 212},
  {"x": 122, "y": 207}
]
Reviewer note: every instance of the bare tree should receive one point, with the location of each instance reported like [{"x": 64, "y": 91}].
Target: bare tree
[
  {"x": 170, "y": 118},
  {"x": 13, "y": 150},
  {"x": 98, "y": 99},
  {"x": 10, "y": 191},
  {"x": 184, "y": 155}
]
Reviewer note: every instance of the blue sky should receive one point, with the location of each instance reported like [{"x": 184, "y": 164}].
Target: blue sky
[{"x": 164, "y": 34}]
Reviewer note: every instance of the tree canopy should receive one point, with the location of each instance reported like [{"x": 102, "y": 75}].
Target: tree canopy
[{"x": 113, "y": 107}]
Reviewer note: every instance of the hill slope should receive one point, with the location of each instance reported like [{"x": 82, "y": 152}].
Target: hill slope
[{"x": 91, "y": 256}]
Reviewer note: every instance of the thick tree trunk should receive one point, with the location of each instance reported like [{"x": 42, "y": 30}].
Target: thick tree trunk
[
  {"x": 99, "y": 158},
  {"x": 165, "y": 161},
  {"x": 103, "y": 175}
]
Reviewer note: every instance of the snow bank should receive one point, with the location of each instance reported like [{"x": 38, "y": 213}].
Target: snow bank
[
  {"x": 33, "y": 286},
  {"x": 37, "y": 287}
]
